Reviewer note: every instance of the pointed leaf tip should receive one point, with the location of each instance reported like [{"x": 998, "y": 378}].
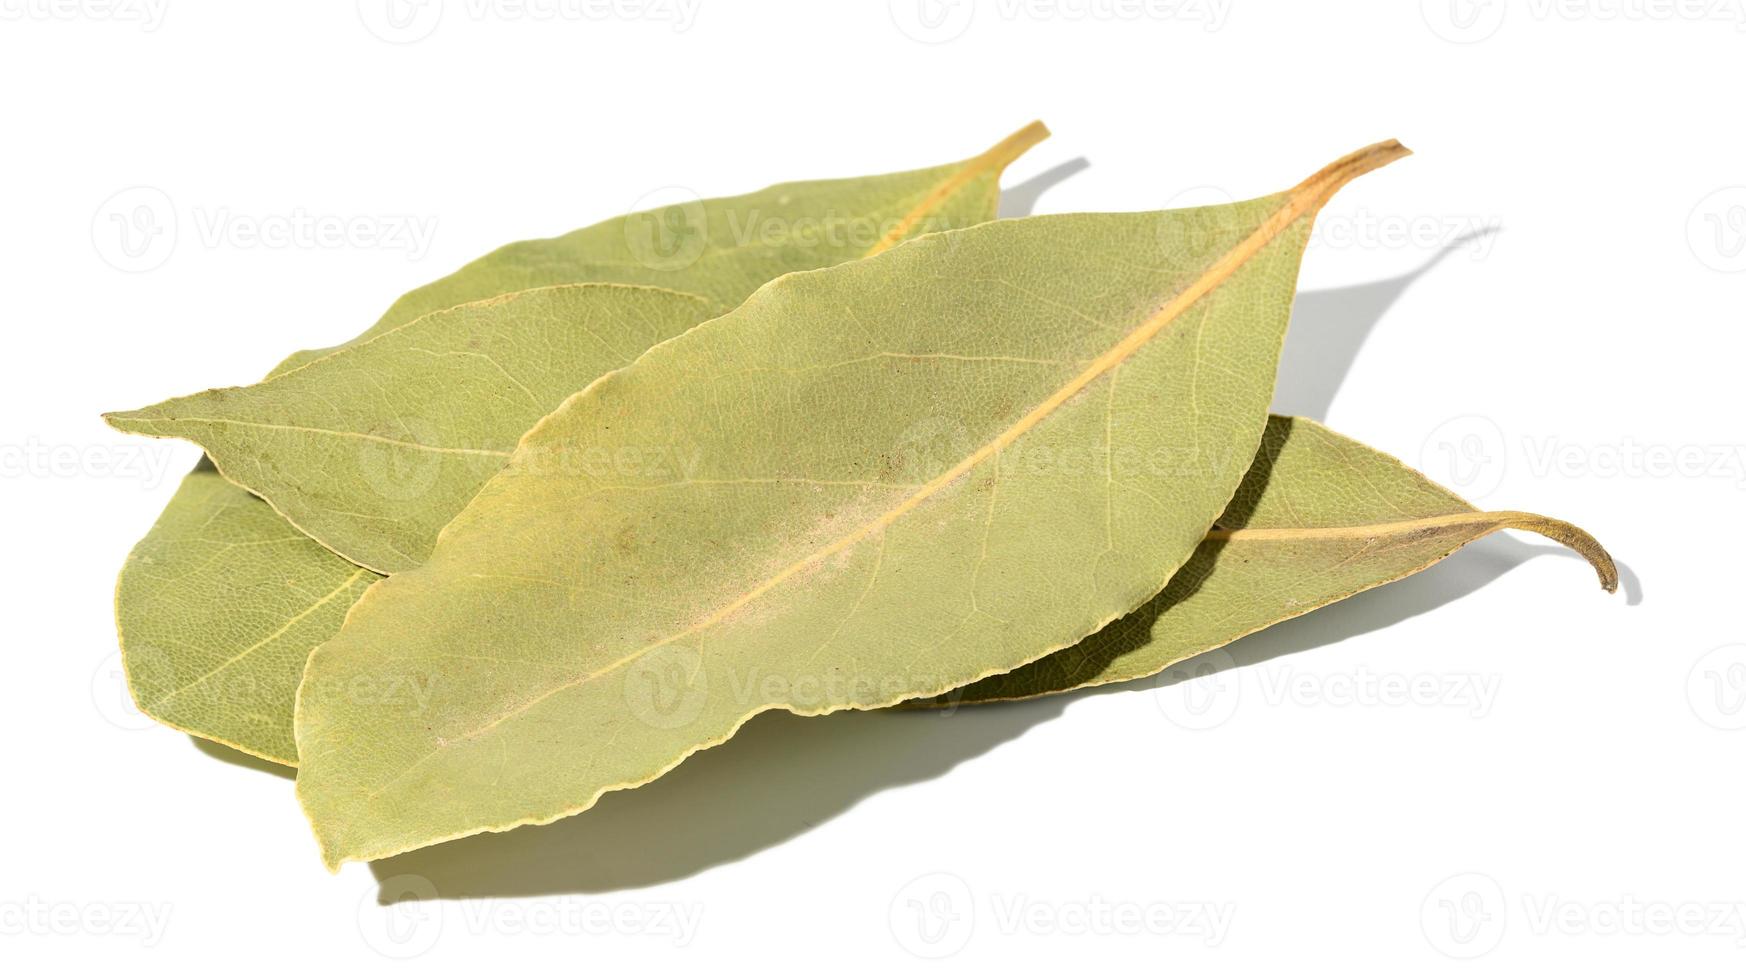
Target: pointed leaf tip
[{"x": 1326, "y": 182}]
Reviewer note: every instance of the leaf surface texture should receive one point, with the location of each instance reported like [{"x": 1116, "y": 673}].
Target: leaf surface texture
[
  {"x": 1318, "y": 518},
  {"x": 747, "y": 240},
  {"x": 912, "y": 472}
]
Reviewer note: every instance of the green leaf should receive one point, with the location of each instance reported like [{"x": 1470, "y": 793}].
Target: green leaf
[
  {"x": 219, "y": 607},
  {"x": 911, "y": 472},
  {"x": 1319, "y": 517},
  {"x": 372, "y": 448},
  {"x": 178, "y": 614}
]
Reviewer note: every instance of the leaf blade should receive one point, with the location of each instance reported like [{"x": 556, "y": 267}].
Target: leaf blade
[
  {"x": 849, "y": 565},
  {"x": 909, "y": 197},
  {"x": 1320, "y": 518}
]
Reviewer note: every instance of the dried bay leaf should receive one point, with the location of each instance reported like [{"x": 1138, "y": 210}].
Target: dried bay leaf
[
  {"x": 913, "y": 472},
  {"x": 218, "y": 608},
  {"x": 1318, "y": 518},
  {"x": 723, "y": 248},
  {"x": 197, "y": 611},
  {"x": 372, "y": 448}
]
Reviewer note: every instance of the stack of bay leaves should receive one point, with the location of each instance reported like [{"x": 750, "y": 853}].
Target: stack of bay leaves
[{"x": 580, "y": 509}]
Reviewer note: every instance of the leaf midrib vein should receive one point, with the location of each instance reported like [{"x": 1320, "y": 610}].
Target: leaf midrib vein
[{"x": 1303, "y": 200}]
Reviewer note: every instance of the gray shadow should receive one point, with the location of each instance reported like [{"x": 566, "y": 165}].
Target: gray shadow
[
  {"x": 779, "y": 777},
  {"x": 1329, "y": 328},
  {"x": 1459, "y": 575},
  {"x": 1020, "y": 200},
  {"x": 1632, "y": 585},
  {"x": 224, "y": 753}
]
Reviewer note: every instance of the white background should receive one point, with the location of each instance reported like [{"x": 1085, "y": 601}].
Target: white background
[{"x": 1557, "y": 787}]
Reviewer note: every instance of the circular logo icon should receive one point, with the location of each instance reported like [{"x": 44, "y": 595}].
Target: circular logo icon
[
  {"x": 1184, "y": 233},
  {"x": 111, "y": 695},
  {"x": 667, "y": 229},
  {"x": 1467, "y": 454},
  {"x": 135, "y": 229},
  {"x": 933, "y": 916},
  {"x": 1716, "y": 687},
  {"x": 1463, "y": 21},
  {"x": 1464, "y": 915},
  {"x": 400, "y": 21},
  {"x": 929, "y": 447},
  {"x": 400, "y": 919},
  {"x": 404, "y": 462},
  {"x": 1716, "y": 230},
  {"x": 933, "y": 21},
  {"x": 667, "y": 687},
  {"x": 1201, "y": 692}
]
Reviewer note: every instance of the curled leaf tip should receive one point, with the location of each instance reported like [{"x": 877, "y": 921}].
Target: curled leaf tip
[
  {"x": 1007, "y": 150},
  {"x": 1322, "y": 185},
  {"x": 1572, "y": 537}
]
